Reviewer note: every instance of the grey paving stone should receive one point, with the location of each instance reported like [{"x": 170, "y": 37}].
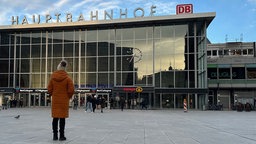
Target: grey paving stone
[{"x": 130, "y": 127}]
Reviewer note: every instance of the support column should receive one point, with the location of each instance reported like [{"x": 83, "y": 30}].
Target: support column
[{"x": 196, "y": 101}]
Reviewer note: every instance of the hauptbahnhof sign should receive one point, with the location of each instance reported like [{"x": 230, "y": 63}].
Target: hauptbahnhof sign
[{"x": 94, "y": 15}]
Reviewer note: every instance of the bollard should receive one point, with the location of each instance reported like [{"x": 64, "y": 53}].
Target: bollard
[{"x": 185, "y": 105}]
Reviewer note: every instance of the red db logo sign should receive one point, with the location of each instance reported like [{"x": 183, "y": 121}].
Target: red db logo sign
[{"x": 184, "y": 8}]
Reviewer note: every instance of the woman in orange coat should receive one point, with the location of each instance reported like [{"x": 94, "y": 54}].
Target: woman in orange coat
[{"x": 61, "y": 88}]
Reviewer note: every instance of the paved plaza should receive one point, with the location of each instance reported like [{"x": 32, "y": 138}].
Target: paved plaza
[{"x": 130, "y": 127}]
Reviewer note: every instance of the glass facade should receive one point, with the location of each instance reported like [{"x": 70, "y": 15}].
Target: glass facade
[{"x": 169, "y": 56}]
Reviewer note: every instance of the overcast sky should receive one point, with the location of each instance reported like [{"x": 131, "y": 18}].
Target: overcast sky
[{"x": 235, "y": 19}]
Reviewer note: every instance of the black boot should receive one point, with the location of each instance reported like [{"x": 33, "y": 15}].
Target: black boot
[
  {"x": 55, "y": 128},
  {"x": 55, "y": 136},
  {"x": 62, "y": 129}
]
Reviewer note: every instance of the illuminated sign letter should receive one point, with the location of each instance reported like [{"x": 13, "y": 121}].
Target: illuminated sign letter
[
  {"x": 47, "y": 18},
  {"x": 57, "y": 17},
  {"x": 15, "y": 21},
  {"x": 123, "y": 14},
  {"x": 94, "y": 16},
  {"x": 152, "y": 10},
  {"x": 24, "y": 21},
  {"x": 38, "y": 19},
  {"x": 138, "y": 9},
  {"x": 69, "y": 17},
  {"x": 107, "y": 14}
]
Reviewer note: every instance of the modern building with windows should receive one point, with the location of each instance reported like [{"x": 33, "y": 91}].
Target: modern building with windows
[
  {"x": 161, "y": 60},
  {"x": 232, "y": 74}
]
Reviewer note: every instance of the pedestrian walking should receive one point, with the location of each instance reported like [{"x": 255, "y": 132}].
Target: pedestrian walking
[
  {"x": 122, "y": 102},
  {"x": 75, "y": 102},
  {"x": 61, "y": 89},
  {"x": 88, "y": 103},
  {"x": 94, "y": 103},
  {"x": 102, "y": 103}
]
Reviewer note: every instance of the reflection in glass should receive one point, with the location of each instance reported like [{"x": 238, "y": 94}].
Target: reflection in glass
[
  {"x": 25, "y": 51},
  {"x": 4, "y": 66},
  {"x": 68, "y": 50},
  {"x": 168, "y": 101},
  {"x": 68, "y": 36},
  {"x": 91, "y": 64},
  {"x": 91, "y": 35},
  {"x": 167, "y": 79},
  {"x": 24, "y": 80},
  {"x": 181, "y": 79},
  {"x": 192, "y": 79},
  {"x": 36, "y": 37},
  {"x": 102, "y": 64},
  {"x": 25, "y": 38},
  {"x": 103, "y": 48},
  {"x": 57, "y": 50},
  {"x": 127, "y": 78},
  {"x": 102, "y": 80},
  {"x": 35, "y": 65},
  {"x": 91, "y": 79},
  {"x": 4, "y": 80},
  {"x": 131, "y": 56},
  {"x": 35, "y": 79},
  {"x": 25, "y": 66},
  {"x": 91, "y": 49},
  {"x": 35, "y": 51},
  {"x": 57, "y": 36}
]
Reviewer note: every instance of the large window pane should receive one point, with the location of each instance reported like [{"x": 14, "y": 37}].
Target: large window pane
[
  {"x": 167, "y": 79},
  {"x": 35, "y": 81},
  {"x": 57, "y": 36},
  {"x": 127, "y": 78},
  {"x": 91, "y": 49},
  {"x": 36, "y": 37},
  {"x": 35, "y": 51},
  {"x": 103, "y": 80},
  {"x": 68, "y": 50},
  {"x": 104, "y": 35},
  {"x": 238, "y": 73},
  {"x": 24, "y": 80},
  {"x": 126, "y": 34},
  {"x": 140, "y": 33},
  {"x": 103, "y": 64},
  {"x": 212, "y": 73},
  {"x": 25, "y": 66},
  {"x": 4, "y": 80},
  {"x": 4, "y": 38},
  {"x": 127, "y": 65},
  {"x": 111, "y": 80},
  {"x": 103, "y": 48},
  {"x": 91, "y": 64},
  {"x": 4, "y": 66},
  {"x": 224, "y": 73},
  {"x": 181, "y": 79},
  {"x": 68, "y": 36},
  {"x": 91, "y": 79},
  {"x": 92, "y": 36},
  {"x": 4, "y": 51},
  {"x": 35, "y": 65},
  {"x": 118, "y": 79},
  {"x": 251, "y": 73},
  {"x": 57, "y": 50},
  {"x": 25, "y": 38},
  {"x": 25, "y": 51},
  {"x": 191, "y": 78}
]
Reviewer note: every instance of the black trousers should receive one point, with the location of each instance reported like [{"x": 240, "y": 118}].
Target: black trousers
[{"x": 61, "y": 122}]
